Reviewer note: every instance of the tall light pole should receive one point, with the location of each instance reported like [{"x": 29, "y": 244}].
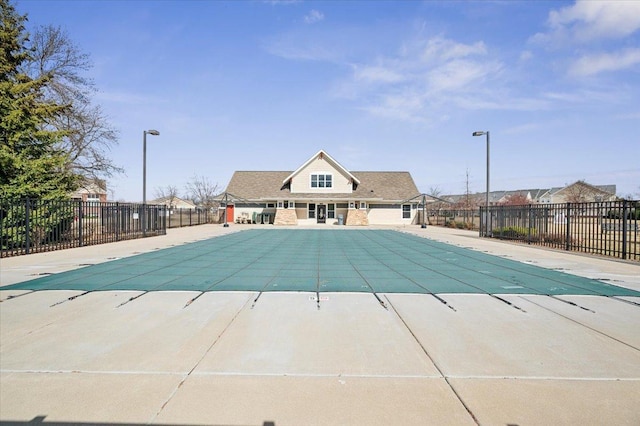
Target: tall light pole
[
  {"x": 144, "y": 176},
  {"x": 486, "y": 221}
]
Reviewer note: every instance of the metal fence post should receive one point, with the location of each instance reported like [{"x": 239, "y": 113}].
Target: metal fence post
[
  {"x": 568, "y": 230},
  {"x": 117, "y": 221},
  {"x": 27, "y": 223},
  {"x": 529, "y": 223},
  {"x": 80, "y": 217},
  {"x": 624, "y": 228}
]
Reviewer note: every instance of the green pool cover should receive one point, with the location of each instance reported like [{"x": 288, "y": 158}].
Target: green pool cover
[{"x": 322, "y": 260}]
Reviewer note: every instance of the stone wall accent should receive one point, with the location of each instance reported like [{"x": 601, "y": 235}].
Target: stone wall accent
[
  {"x": 285, "y": 217},
  {"x": 357, "y": 217}
]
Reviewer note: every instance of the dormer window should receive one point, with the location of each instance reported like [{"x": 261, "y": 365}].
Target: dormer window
[{"x": 321, "y": 180}]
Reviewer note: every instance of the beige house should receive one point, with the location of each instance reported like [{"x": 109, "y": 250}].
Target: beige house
[
  {"x": 173, "y": 203},
  {"x": 92, "y": 191},
  {"x": 321, "y": 191},
  {"x": 580, "y": 192}
]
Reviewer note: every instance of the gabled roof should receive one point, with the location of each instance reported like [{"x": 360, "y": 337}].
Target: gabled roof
[
  {"x": 92, "y": 185},
  {"x": 327, "y": 158},
  {"x": 603, "y": 189},
  {"x": 266, "y": 185},
  {"x": 172, "y": 200}
]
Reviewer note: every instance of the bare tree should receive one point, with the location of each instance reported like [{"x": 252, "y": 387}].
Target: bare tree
[
  {"x": 168, "y": 193},
  {"x": 435, "y": 191},
  {"x": 88, "y": 134},
  {"x": 54, "y": 54},
  {"x": 580, "y": 192},
  {"x": 202, "y": 191},
  {"x": 89, "y": 140}
]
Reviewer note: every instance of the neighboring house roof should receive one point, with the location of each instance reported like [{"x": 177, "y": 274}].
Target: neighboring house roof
[
  {"x": 536, "y": 194},
  {"x": 266, "y": 185},
  {"x": 173, "y": 201},
  {"x": 91, "y": 186},
  {"x": 608, "y": 190}
]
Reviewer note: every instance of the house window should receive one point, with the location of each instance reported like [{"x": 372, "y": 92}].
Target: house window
[
  {"x": 363, "y": 205},
  {"x": 289, "y": 204},
  {"x": 331, "y": 211},
  {"x": 280, "y": 204},
  {"x": 352, "y": 205},
  {"x": 93, "y": 198},
  {"x": 321, "y": 181},
  {"x": 312, "y": 211},
  {"x": 271, "y": 205},
  {"x": 406, "y": 211}
]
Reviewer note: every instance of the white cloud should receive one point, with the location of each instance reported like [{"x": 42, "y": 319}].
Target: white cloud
[
  {"x": 460, "y": 74},
  {"x": 588, "y": 20},
  {"x": 376, "y": 73},
  {"x": 597, "y": 63},
  {"x": 422, "y": 74},
  {"x": 313, "y": 17},
  {"x": 586, "y": 96},
  {"x": 407, "y": 105},
  {"x": 439, "y": 48},
  {"x": 424, "y": 80},
  {"x": 526, "y": 55}
]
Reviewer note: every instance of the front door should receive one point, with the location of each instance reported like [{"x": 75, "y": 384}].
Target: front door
[
  {"x": 322, "y": 213},
  {"x": 230, "y": 217}
]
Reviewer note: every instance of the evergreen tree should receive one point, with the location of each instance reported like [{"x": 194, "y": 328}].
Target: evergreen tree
[{"x": 30, "y": 163}]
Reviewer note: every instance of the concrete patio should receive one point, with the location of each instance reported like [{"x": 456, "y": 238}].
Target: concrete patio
[{"x": 233, "y": 358}]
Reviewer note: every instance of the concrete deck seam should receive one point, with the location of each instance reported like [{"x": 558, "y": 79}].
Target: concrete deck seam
[
  {"x": 12, "y": 296},
  {"x": 216, "y": 340},
  {"x": 321, "y": 375},
  {"x": 579, "y": 323},
  {"x": 68, "y": 299},
  {"x": 569, "y": 302},
  {"x": 457, "y": 395},
  {"x": 549, "y": 378},
  {"x": 311, "y": 375},
  {"x": 109, "y": 372},
  {"x": 619, "y": 299}
]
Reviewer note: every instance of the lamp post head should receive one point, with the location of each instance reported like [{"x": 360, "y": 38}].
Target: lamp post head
[
  {"x": 479, "y": 133},
  {"x": 153, "y": 132}
]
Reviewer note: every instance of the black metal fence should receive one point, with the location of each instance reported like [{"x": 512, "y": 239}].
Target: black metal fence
[
  {"x": 33, "y": 226},
  {"x": 604, "y": 228},
  {"x": 177, "y": 218}
]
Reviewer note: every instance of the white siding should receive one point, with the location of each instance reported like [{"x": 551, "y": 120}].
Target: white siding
[{"x": 389, "y": 217}]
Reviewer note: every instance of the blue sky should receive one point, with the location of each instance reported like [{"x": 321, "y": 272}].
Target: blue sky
[{"x": 401, "y": 85}]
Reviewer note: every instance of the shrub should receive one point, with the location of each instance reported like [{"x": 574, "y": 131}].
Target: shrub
[
  {"x": 513, "y": 232},
  {"x": 458, "y": 224},
  {"x": 558, "y": 239},
  {"x": 49, "y": 221}
]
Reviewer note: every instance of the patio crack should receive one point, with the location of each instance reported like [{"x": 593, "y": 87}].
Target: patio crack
[
  {"x": 186, "y": 376},
  {"x": 433, "y": 361}
]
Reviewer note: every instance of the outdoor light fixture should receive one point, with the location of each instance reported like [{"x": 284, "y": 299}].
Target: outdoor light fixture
[
  {"x": 144, "y": 176},
  {"x": 486, "y": 222}
]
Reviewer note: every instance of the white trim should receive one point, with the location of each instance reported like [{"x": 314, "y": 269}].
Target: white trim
[
  {"x": 317, "y": 175},
  {"x": 329, "y": 159}
]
